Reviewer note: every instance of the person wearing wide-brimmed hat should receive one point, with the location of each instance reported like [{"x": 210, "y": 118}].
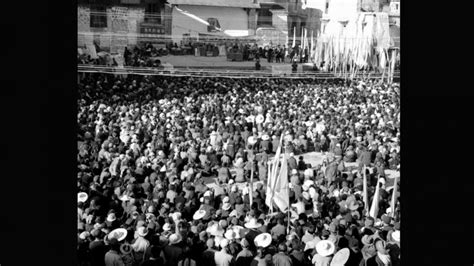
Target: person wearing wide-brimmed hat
[
  {"x": 173, "y": 253},
  {"x": 325, "y": 249},
  {"x": 222, "y": 257},
  {"x": 140, "y": 244}
]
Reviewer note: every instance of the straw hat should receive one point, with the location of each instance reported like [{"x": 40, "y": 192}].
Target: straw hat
[
  {"x": 125, "y": 249},
  {"x": 125, "y": 197},
  {"x": 119, "y": 233},
  {"x": 174, "y": 239},
  {"x": 82, "y": 197},
  {"x": 396, "y": 235},
  {"x": 111, "y": 217},
  {"x": 239, "y": 231},
  {"x": 263, "y": 240},
  {"x": 199, "y": 214},
  {"x": 166, "y": 227},
  {"x": 230, "y": 234},
  {"x": 142, "y": 231},
  {"x": 252, "y": 224},
  {"x": 325, "y": 248},
  {"x": 252, "y": 140},
  {"x": 224, "y": 243},
  {"x": 216, "y": 230},
  {"x": 340, "y": 258},
  {"x": 226, "y": 206}
]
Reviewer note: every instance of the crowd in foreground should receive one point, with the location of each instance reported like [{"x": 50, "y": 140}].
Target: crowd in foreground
[{"x": 163, "y": 165}]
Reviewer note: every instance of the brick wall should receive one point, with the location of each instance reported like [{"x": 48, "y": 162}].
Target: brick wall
[{"x": 122, "y": 27}]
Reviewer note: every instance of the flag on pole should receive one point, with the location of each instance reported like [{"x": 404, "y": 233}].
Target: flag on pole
[
  {"x": 394, "y": 196},
  {"x": 273, "y": 175},
  {"x": 281, "y": 190},
  {"x": 374, "y": 209}
]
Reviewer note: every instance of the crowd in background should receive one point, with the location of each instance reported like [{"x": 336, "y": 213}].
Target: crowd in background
[{"x": 164, "y": 164}]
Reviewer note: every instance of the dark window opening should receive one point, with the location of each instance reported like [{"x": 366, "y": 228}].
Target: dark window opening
[
  {"x": 98, "y": 17},
  {"x": 153, "y": 13},
  {"x": 213, "y": 25},
  {"x": 264, "y": 17}
]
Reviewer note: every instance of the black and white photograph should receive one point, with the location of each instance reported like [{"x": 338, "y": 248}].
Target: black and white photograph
[{"x": 238, "y": 133}]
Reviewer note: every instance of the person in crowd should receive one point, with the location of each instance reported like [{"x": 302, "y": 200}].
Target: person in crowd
[{"x": 164, "y": 164}]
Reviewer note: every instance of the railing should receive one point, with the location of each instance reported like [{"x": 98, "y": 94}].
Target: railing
[{"x": 220, "y": 73}]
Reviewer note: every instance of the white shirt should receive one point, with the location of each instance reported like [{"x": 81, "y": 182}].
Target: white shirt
[{"x": 222, "y": 258}]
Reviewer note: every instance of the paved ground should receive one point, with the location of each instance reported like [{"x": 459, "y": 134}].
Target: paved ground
[{"x": 180, "y": 61}]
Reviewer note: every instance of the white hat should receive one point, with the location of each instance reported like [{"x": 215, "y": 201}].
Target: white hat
[
  {"x": 265, "y": 137},
  {"x": 340, "y": 258},
  {"x": 259, "y": 119},
  {"x": 396, "y": 235},
  {"x": 226, "y": 206},
  {"x": 216, "y": 230},
  {"x": 226, "y": 199},
  {"x": 111, "y": 217},
  {"x": 239, "y": 231},
  {"x": 119, "y": 233},
  {"x": 166, "y": 227},
  {"x": 207, "y": 193},
  {"x": 306, "y": 195},
  {"x": 174, "y": 239},
  {"x": 84, "y": 234},
  {"x": 325, "y": 248},
  {"x": 311, "y": 244},
  {"x": 252, "y": 224},
  {"x": 82, "y": 197},
  {"x": 308, "y": 183},
  {"x": 224, "y": 243},
  {"x": 199, "y": 214},
  {"x": 294, "y": 172},
  {"x": 176, "y": 216},
  {"x": 252, "y": 140},
  {"x": 142, "y": 231},
  {"x": 230, "y": 234},
  {"x": 263, "y": 240}
]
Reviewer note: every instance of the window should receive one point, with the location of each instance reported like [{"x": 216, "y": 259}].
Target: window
[
  {"x": 98, "y": 17},
  {"x": 264, "y": 17},
  {"x": 213, "y": 25},
  {"x": 153, "y": 13}
]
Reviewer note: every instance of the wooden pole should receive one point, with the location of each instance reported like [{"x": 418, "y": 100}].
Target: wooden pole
[
  {"x": 251, "y": 184},
  {"x": 366, "y": 200},
  {"x": 394, "y": 196}
]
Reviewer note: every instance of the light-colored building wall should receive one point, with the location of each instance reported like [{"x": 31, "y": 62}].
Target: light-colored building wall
[{"x": 230, "y": 18}]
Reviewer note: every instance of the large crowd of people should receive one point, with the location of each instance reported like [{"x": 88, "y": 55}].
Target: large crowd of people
[{"x": 164, "y": 165}]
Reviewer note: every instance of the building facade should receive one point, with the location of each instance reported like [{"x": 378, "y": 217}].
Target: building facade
[
  {"x": 199, "y": 19},
  {"x": 114, "y": 24}
]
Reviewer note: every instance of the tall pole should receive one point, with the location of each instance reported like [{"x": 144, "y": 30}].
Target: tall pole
[
  {"x": 366, "y": 200},
  {"x": 251, "y": 184},
  {"x": 394, "y": 196}
]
